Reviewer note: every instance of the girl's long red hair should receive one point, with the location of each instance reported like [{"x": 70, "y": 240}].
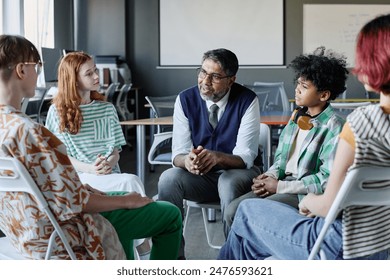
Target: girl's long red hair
[{"x": 68, "y": 100}]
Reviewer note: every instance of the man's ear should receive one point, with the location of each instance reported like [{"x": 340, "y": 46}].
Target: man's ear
[
  {"x": 19, "y": 69},
  {"x": 325, "y": 95},
  {"x": 232, "y": 80}
]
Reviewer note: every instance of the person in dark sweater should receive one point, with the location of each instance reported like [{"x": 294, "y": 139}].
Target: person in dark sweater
[{"x": 213, "y": 151}]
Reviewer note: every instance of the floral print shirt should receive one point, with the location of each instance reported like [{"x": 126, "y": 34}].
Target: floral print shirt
[{"x": 24, "y": 222}]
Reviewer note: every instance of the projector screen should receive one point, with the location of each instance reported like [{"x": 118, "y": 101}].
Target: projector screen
[{"x": 252, "y": 29}]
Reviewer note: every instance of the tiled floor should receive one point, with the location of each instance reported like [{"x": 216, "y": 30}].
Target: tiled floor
[{"x": 196, "y": 242}]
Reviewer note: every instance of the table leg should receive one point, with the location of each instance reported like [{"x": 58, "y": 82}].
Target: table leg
[{"x": 141, "y": 152}]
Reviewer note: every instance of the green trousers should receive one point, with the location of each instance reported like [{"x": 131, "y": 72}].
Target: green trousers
[{"x": 159, "y": 220}]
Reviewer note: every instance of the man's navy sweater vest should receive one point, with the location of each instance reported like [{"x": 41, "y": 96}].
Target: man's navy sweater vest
[{"x": 223, "y": 138}]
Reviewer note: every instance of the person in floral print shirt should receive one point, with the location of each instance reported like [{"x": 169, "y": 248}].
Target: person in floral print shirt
[{"x": 97, "y": 225}]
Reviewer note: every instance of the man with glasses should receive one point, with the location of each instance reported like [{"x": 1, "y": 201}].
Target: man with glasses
[{"x": 215, "y": 137}]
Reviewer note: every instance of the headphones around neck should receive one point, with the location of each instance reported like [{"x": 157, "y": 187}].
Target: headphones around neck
[{"x": 301, "y": 118}]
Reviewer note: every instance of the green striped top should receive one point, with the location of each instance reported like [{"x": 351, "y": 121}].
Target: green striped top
[{"x": 100, "y": 132}]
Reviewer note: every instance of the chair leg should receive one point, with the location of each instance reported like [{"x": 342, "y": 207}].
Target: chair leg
[
  {"x": 211, "y": 215},
  {"x": 136, "y": 254},
  {"x": 186, "y": 217},
  {"x": 205, "y": 221}
]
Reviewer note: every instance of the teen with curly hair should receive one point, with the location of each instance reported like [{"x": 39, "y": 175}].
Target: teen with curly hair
[
  {"x": 304, "y": 155},
  {"x": 364, "y": 140}
]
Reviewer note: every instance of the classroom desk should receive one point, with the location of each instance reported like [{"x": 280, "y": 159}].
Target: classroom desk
[{"x": 140, "y": 124}]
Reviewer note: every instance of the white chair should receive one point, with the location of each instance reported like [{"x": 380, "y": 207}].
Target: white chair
[
  {"x": 354, "y": 193},
  {"x": 161, "y": 136},
  {"x": 158, "y": 154},
  {"x": 15, "y": 178},
  {"x": 204, "y": 207},
  {"x": 265, "y": 144}
]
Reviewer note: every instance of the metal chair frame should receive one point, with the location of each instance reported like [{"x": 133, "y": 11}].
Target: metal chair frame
[{"x": 17, "y": 179}]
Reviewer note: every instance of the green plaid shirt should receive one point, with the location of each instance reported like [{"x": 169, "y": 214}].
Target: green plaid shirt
[{"x": 315, "y": 156}]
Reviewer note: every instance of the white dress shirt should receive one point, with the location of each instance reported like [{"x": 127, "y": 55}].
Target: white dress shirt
[{"x": 248, "y": 134}]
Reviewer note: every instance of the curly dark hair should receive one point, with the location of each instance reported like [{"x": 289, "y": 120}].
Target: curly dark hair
[{"x": 325, "y": 69}]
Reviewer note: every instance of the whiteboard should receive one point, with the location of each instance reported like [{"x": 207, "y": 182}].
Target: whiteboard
[
  {"x": 336, "y": 26},
  {"x": 252, "y": 29}
]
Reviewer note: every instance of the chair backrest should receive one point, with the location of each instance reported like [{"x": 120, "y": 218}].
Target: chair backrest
[
  {"x": 36, "y": 109},
  {"x": 161, "y": 152},
  {"x": 43, "y": 106},
  {"x": 353, "y": 193},
  {"x": 111, "y": 92},
  {"x": 262, "y": 95},
  {"x": 162, "y": 106},
  {"x": 265, "y": 145},
  {"x": 15, "y": 178},
  {"x": 121, "y": 103},
  {"x": 272, "y": 96}
]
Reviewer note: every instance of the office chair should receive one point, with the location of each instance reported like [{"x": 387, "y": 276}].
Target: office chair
[
  {"x": 161, "y": 106},
  {"x": 161, "y": 136},
  {"x": 272, "y": 97},
  {"x": 33, "y": 106},
  {"x": 353, "y": 192},
  {"x": 17, "y": 179},
  {"x": 124, "y": 113},
  {"x": 122, "y": 105},
  {"x": 265, "y": 146},
  {"x": 262, "y": 95},
  {"x": 276, "y": 96},
  {"x": 111, "y": 93},
  {"x": 160, "y": 151}
]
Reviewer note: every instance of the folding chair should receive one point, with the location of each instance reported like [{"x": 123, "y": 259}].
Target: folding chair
[
  {"x": 15, "y": 178},
  {"x": 353, "y": 193}
]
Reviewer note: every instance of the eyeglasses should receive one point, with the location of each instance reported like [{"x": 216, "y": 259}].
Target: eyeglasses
[
  {"x": 37, "y": 66},
  {"x": 215, "y": 78}
]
